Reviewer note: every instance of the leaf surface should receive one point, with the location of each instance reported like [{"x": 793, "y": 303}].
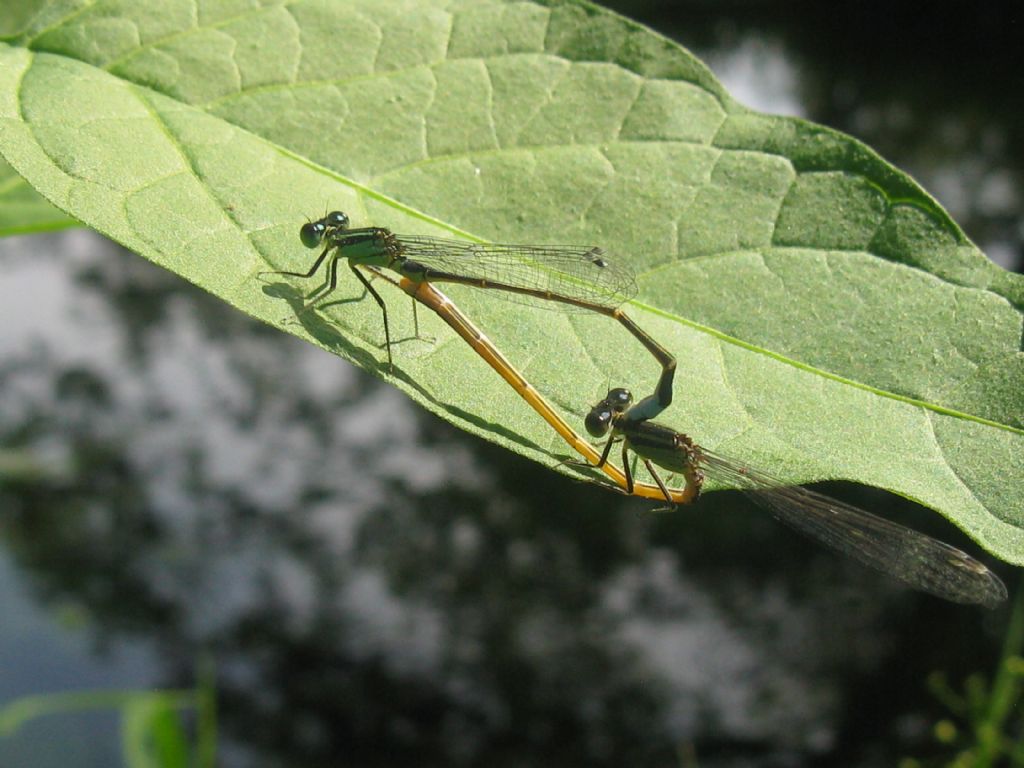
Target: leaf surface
[
  {"x": 22, "y": 209},
  {"x": 830, "y": 319}
]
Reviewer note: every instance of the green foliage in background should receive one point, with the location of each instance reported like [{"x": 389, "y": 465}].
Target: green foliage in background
[
  {"x": 985, "y": 723},
  {"x": 830, "y": 319},
  {"x": 152, "y": 732},
  {"x": 22, "y": 209}
]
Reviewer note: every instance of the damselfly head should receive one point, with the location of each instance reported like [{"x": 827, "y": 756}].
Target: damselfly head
[
  {"x": 314, "y": 232},
  {"x": 336, "y": 220},
  {"x": 599, "y": 420},
  {"x": 619, "y": 399},
  {"x": 603, "y": 415}
]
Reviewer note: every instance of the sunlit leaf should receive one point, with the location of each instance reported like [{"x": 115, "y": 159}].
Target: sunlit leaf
[
  {"x": 22, "y": 209},
  {"x": 830, "y": 319}
]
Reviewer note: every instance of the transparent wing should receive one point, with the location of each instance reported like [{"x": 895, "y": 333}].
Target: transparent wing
[
  {"x": 581, "y": 273},
  {"x": 921, "y": 561}
]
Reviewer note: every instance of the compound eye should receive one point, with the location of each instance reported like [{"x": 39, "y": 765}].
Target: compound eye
[
  {"x": 312, "y": 233},
  {"x": 337, "y": 220},
  {"x": 620, "y": 399},
  {"x": 598, "y": 421}
]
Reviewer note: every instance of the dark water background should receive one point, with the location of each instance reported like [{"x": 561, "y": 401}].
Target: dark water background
[{"x": 377, "y": 588}]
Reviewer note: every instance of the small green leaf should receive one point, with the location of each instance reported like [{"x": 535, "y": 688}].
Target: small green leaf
[
  {"x": 152, "y": 735},
  {"x": 23, "y": 210},
  {"x": 830, "y": 319}
]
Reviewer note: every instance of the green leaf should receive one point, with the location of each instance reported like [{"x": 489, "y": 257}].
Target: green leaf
[
  {"x": 24, "y": 210},
  {"x": 152, "y": 735},
  {"x": 830, "y": 319},
  {"x": 147, "y": 715}
]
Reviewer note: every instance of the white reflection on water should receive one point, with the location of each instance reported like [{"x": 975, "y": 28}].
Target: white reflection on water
[{"x": 758, "y": 72}]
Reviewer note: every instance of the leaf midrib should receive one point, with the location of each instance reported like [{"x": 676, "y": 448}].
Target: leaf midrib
[{"x": 814, "y": 370}]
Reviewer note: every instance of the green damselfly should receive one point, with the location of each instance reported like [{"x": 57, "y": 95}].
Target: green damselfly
[{"x": 576, "y": 277}]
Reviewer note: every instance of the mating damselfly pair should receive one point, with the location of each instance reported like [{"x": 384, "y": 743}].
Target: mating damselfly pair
[{"x": 585, "y": 278}]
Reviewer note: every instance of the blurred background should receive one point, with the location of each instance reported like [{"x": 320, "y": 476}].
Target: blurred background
[{"x": 373, "y": 587}]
